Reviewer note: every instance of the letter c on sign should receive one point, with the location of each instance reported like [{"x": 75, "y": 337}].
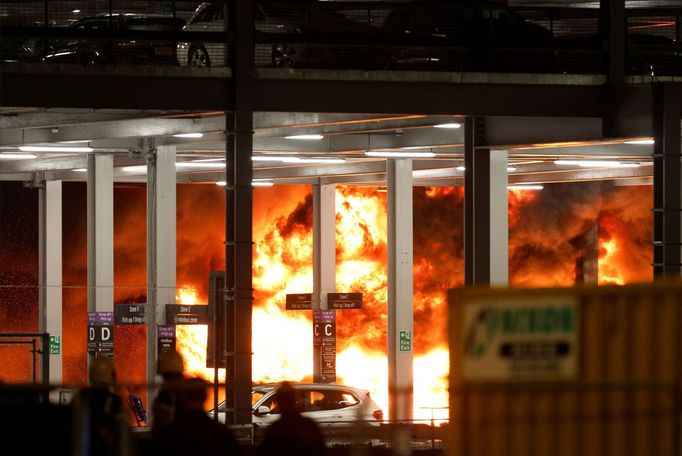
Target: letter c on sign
[
  {"x": 317, "y": 329},
  {"x": 327, "y": 330}
]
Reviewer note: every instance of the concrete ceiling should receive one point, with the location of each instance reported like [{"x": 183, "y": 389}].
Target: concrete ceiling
[{"x": 533, "y": 145}]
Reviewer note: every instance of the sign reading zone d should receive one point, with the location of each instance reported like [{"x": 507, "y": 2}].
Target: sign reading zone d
[{"x": 520, "y": 339}]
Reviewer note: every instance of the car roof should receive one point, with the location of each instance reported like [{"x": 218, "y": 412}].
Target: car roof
[{"x": 266, "y": 387}]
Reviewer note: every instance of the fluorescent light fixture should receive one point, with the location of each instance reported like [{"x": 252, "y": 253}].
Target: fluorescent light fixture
[
  {"x": 200, "y": 165},
  {"x": 4, "y": 156},
  {"x": 597, "y": 163},
  {"x": 306, "y": 137},
  {"x": 641, "y": 142},
  {"x": 510, "y": 169},
  {"x": 189, "y": 135},
  {"x": 525, "y": 187},
  {"x": 398, "y": 154},
  {"x": 54, "y": 149},
  {"x": 320, "y": 160},
  {"x": 136, "y": 169},
  {"x": 451, "y": 125},
  {"x": 280, "y": 158},
  {"x": 414, "y": 147},
  {"x": 262, "y": 184},
  {"x": 221, "y": 183},
  {"x": 204, "y": 160},
  {"x": 81, "y": 170},
  {"x": 76, "y": 11},
  {"x": 289, "y": 159}
]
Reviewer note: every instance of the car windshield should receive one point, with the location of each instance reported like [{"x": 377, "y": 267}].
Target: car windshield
[{"x": 255, "y": 397}]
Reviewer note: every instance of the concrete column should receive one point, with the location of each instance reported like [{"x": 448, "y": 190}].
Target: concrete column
[
  {"x": 486, "y": 233},
  {"x": 613, "y": 31},
  {"x": 324, "y": 255},
  {"x": 161, "y": 248},
  {"x": 100, "y": 233},
  {"x": 400, "y": 289},
  {"x": 587, "y": 266},
  {"x": 238, "y": 232},
  {"x": 667, "y": 199},
  {"x": 50, "y": 234}
]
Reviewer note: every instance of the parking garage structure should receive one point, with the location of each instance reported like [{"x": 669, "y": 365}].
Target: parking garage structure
[{"x": 506, "y": 129}]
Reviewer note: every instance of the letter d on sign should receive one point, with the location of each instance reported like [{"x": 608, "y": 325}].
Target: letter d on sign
[
  {"x": 91, "y": 333},
  {"x": 106, "y": 333}
]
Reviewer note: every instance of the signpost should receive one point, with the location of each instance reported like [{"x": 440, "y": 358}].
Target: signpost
[
  {"x": 299, "y": 301},
  {"x": 521, "y": 339},
  {"x": 405, "y": 341},
  {"x": 182, "y": 314},
  {"x": 101, "y": 334},
  {"x": 129, "y": 314},
  {"x": 166, "y": 336},
  {"x": 324, "y": 328},
  {"x": 55, "y": 345},
  {"x": 343, "y": 301},
  {"x": 324, "y": 342}
]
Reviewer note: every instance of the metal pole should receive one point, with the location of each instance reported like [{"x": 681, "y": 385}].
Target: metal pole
[
  {"x": 33, "y": 361},
  {"x": 46, "y": 358}
]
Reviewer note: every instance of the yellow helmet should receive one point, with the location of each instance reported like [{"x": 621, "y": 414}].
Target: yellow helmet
[
  {"x": 170, "y": 363},
  {"x": 103, "y": 372}
]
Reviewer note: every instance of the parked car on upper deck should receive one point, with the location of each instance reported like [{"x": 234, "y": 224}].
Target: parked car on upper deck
[
  {"x": 307, "y": 19},
  {"x": 646, "y": 55},
  {"x": 99, "y": 48},
  {"x": 465, "y": 36}
]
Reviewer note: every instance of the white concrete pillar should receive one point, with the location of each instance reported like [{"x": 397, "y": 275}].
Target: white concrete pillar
[
  {"x": 400, "y": 289},
  {"x": 100, "y": 233},
  {"x": 324, "y": 241},
  {"x": 50, "y": 234},
  {"x": 499, "y": 219},
  {"x": 161, "y": 248},
  {"x": 324, "y": 256}
]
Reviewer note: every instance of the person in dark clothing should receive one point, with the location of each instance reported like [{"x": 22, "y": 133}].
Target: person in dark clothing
[
  {"x": 293, "y": 434},
  {"x": 192, "y": 431},
  {"x": 99, "y": 416}
]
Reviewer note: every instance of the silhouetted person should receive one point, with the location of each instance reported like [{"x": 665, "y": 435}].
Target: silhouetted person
[
  {"x": 171, "y": 367},
  {"x": 192, "y": 431},
  {"x": 100, "y": 422},
  {"x": 292, "y": 434}
]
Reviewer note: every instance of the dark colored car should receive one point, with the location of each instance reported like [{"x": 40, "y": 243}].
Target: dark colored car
[
  {"x": 20, "y": 49},
  {"x": 118, "y": 50},
  {"x": 328, "y": 38},
  {"x": 646, "y": 55},
  {"x": 465, "y": 36}
]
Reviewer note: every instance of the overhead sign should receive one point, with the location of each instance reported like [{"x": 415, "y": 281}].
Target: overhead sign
[
  {"x": 324, "y": 344},
  {"x": 299, "y": 301},
  {"x": 520, "y": 339},
  {"x": 342, "y": 301},
  {"x": 166, "y": 338},
  {"x": 55, "y": 345},
  {"x": 129, "y": 314},
  {"x": 101, "y": 334},
  {"x": 183, "y": 314}
]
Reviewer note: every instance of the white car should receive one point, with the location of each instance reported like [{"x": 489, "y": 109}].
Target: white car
[{"x": 329, "y": 404}]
